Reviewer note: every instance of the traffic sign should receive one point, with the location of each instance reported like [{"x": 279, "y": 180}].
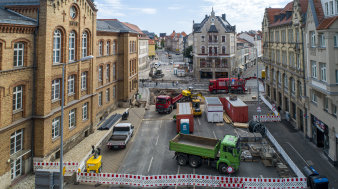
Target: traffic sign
[{"x": 259, "y": 109}]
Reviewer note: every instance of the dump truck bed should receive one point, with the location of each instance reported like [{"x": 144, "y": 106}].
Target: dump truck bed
[{"x": 195, "y": 145}]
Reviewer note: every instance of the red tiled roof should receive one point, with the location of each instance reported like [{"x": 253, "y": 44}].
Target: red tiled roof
[
  {"x": 151, "y": 42},
  {"x": 184, "y": 34},
  {"x": 133, "y": 27},
  {"x": 108, "y": 19},
  {"x": 319, "y": 10},
  {"x": 172, "y": 34},
  {"x": 271, "y": 13},
  {"x": 304, "y": 5},
  {"x": 326, "y": 23},
  {"x": 287, "y": 8}
]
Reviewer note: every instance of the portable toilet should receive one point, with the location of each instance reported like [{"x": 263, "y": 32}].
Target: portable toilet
[
  {"x": 185, "y": 126},
  {"x": 175, "y": 71}
]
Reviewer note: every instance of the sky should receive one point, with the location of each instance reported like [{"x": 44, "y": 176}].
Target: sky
[{"x": 164, "y": 16}]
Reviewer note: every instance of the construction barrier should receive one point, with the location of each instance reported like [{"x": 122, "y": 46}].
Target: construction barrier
[
  {"x": 69, "y": 166},
  {"x": 190, "y": 180},
  {"x": 266, "y": 118}
]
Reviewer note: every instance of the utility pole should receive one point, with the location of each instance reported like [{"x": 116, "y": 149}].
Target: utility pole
[{"x": 257, "y": 81}]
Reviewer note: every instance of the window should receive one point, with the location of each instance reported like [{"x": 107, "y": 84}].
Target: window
[
  {"x": 298, "y": 61},
  {"x": 223, "y": 49},
  {"x": 107, "y": 95},
  {"x": 108, "y": 73},
  {"x": 101, "y": 48},
  {"x": 314, "y": 69},
  {"x": 16, "y": 141},
  {"x": 17, "y": 97},
  {"x": 297, "y": 36},
  {"x": 203, "y": 50},
  {"x": 271, "y": 36},
  {"x": 223, "y": 39},
  {"x": 277, "y": 36},
  {"x": 56, "y": 89},
  {"x": 337, "y": 76},
  {"x": 72, "y": 118},
  {"x": 284, "y": 61},
  {"x": 273, "y": 75},
  {"x": 331, "y": 7},
  {"x": 108, "y": 48},
  {"x": 326, "y": 103},
  {"x": 100, "y": 73},
  {"x": 202, "y": 38},
  {"x": 335, "y": 37},
  {"x": 293, "y": 86},
  {"x": 85, "y": 111},
  {"x": 55, "y": 127},
  {"x": 283, "y": 32},
  {"x": 18, "y": 54},
  {"x": 114, "y": 92},
  {"x": 16, "y": 168},
  {"x": 57, "y": 46},
  {"x": 314, "y": 97},
  {"x": 100, "y": 99},
  {"x": 83, "y": 80},
  {"x": 215, "y": 50},
  {"x": 326, "y": 8},
  {"x": 71, "y": 85},
  {"x": 286, "y": 84},
  {"x": 313, "y": 39},
  {"x": 323, "y": 72},
  {"x": 279, "y": 77},
  {"x": 291, "y": 60},
  {"x": 84, "y": 44},
  {"x": 299, "y": 89},
  {"x": 72, "y": 46},
  {"x": 334, "y": 109},
  {"x": 210, "y": 38},
  {"x": 290, "y": 35},
  {"x": 114, "y": 71},
  {"x": 336, "y": 6},
  {"x": 321, "y": 40},
  {"x": 114, "y": 47},
  {"x": 278, "y": 56}
]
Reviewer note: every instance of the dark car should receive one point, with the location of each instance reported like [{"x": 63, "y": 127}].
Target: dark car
[{"x": 125, "y": 115}]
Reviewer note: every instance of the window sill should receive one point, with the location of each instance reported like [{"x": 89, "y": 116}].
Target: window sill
[
  {"x": 334, "y": 115},
  {"x": 83, "y": 89},
  {"x": 72, "y": 128},
  {"x": 17, "y": 111},
  {"x": 71, "y": 94},
  {"x": 314, "y": 103},
  {"x": 56, "y": 100},
  {"x": 84, "y": 120},
  {"x": 56, "y": 138}
]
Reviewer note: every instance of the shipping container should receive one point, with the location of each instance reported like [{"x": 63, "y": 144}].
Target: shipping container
[
  {"x": 184, "y": 111},
  {"x": 237, "y": 110},
  {"x": 214, "y": 109}
]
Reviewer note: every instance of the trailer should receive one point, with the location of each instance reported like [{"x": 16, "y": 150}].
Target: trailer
[
  {"x": 224, "y": 155},
  {"x": 213, "y": 109},
  {"x": 166, "y": 103},
  {"x": 184, "y": 116}
]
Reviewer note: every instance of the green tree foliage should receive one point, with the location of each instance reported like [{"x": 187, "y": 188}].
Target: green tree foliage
[{"x": 188, "y": 52}]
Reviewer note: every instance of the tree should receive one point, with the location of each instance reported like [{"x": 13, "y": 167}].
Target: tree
[
  {"x": 162, "y": 43},
  {"x": 156, "y": 47},
  {"x": 188, "y": 52}
]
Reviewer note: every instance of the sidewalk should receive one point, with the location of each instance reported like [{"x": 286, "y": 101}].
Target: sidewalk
[
  {"x": 302, "y": 151},
  {"x": 76, "y": 154}
]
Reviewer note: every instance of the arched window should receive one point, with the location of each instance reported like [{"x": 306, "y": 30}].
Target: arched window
[
  {"x": 203, "y": 50},
  {"x": 101, "y": 48},
  {"x": 72, "y": 46},
  {"x": 84, "y": 44},
  {"x": 57, "y": 46},
  {"x": 114, "y": 47},
  {"x": 19, "y": 54}
]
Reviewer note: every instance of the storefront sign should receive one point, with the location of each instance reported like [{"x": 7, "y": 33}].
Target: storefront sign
[{"x": 318, "y": 123}]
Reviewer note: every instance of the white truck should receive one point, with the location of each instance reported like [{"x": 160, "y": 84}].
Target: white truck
[{"x": 122, "y": 132}]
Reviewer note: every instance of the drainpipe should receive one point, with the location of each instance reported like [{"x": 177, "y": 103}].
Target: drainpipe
[
  {"x": 304, "y": 72},
  {"x": 34, "y": 91}
]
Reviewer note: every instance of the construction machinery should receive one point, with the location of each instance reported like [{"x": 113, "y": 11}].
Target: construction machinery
[
  {"x": 94, "y": 163},
  {"x": 195, "y": 98},
  {"x": 155, "y": 73}
]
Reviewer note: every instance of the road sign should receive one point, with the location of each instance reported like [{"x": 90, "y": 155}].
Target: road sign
[{"x": 259, "y": 109}]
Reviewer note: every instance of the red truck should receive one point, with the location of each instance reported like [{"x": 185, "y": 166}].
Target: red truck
[
  {"x": 226, "y": 85},
  {"x": 166, "y": 103}
]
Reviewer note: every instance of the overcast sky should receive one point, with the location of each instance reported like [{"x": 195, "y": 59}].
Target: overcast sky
[{"x": 164, "y": 16}]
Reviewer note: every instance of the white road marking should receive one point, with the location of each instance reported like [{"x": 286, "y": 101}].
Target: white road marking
[
  {"x": 157, "y": 140},
  {"x": 297, "y": 153},
  {"x": 236, "y": 132},
  {"x": 198, "y": 119},
  {"x": 151, "y": 161},
  {"x": 214, "y": 134}
]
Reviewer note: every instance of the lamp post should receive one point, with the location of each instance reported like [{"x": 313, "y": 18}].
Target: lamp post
[
  {"x": 257, "y": 80},
  {"x": 62, "y": 104}
]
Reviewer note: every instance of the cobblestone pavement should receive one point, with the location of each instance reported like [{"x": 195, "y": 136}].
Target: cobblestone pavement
[{"x": 76, "y": 154}]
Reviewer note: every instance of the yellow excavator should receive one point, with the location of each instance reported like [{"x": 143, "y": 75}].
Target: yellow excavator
[{"x": 195, "y": 99}]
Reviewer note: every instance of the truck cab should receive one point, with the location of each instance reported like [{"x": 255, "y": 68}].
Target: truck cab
[
  {"x": 229, "y": 155},
  {"x": 123, "y": 129},
  {"x": 163, "y": 104}
]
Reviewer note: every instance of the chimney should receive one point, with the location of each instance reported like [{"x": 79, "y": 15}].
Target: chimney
[
  {"x": 206, "y": 16},
  {"x": 224, "y": 16}
]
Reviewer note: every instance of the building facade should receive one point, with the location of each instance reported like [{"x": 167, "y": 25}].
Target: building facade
[
  {"x": 142, "y": 46},
  {"x": 151, "y": 49},
  {"x": 174, "y": 42},
  {"x": 37, "y": 38},
  {"x": 245, "y": 54},
  {"x": 321, "y": 39},
  {"x": 214, "y": 47},
  {"x": 284, "y": 60}
]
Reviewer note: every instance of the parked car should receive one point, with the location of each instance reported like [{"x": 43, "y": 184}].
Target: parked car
[{"x": 171, "y": 62}]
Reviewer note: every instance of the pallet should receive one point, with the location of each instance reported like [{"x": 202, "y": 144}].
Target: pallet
[
  {"x": 226, "y": 118},
  {"x": 241, "y": 125}
]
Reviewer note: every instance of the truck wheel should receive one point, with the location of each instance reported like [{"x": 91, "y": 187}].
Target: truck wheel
[
  {"x": 222, "y": 168},
  {"x": 181, "y": 160},
  {"x": 194, "y": 161}
]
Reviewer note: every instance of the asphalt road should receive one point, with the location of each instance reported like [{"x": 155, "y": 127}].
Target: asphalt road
[{"x": 150, "y": 155}]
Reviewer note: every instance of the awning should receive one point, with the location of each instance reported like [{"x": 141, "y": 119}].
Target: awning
[{"x": 19, "y": 154}]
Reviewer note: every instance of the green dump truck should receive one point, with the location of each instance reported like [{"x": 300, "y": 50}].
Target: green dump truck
[{"x": 224, "y": 154}]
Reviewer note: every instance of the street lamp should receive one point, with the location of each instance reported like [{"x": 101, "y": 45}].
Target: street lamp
[{"x": 62, "y": 104}]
